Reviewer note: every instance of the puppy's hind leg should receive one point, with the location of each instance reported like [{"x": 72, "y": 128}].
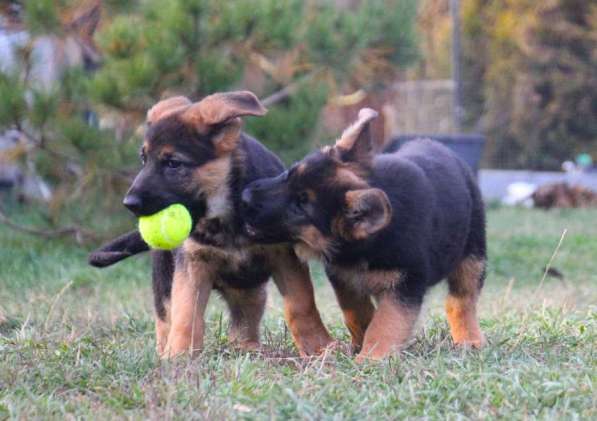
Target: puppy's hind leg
[
  {"x": 246, "y": 310},
  {"x": 391, "y": 327},
  {"x": 465, "y": 284}
]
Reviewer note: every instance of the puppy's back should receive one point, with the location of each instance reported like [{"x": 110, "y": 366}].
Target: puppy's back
[{"x": 435, "y": 199}]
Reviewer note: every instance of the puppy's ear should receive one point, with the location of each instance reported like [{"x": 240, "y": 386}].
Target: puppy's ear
[
  {"x": 118, "y": 249},
  {"x": 366, "y": 212},
  {"x": 355, "y": 143},
  {"x": 223, "y": 110},
  {"x": 221, "y": 107},
  {"x": 166, "y": 108}
]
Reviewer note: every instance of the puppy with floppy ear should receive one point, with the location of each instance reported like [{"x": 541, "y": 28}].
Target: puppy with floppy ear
[
  {"x": 196, "y": 154},
  {"x": 387, "y": 227}
]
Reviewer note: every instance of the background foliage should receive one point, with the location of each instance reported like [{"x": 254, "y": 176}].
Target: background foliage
[
  {"x": 529, "y": 76},
  {"x": 531, "y": 79},
  {"x": 302, "y": 52}
]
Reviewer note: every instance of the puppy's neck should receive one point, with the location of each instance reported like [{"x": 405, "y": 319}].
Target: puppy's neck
[
  {"x": 218, "y": 203},
  {"x": 215, "y": 187}
]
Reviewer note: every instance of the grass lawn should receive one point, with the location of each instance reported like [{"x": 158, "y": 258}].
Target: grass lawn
[{"x": 78, "y": 341}]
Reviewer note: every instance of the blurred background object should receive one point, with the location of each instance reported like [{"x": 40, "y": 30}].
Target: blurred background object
[{"x": 563, "y": 195}]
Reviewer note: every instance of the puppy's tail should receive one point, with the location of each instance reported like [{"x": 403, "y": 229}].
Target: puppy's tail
[{"x": 118, "y": 249}]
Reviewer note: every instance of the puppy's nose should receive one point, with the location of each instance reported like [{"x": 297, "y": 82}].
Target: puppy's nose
[{"x": 133, "y": 203}]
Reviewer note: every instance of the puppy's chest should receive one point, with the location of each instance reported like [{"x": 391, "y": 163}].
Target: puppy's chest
[
  {"x": 361, "y": 278},
  {"x": 244, "y": 267}
]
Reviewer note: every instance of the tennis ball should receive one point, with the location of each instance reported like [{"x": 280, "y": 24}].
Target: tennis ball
[{"x": 166, "y": 229}]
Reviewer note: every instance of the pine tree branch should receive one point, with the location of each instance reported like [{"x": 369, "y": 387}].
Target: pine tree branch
[
  {"x": 42, "y": 144},
  {"x": 288, "y": 90},
  {"x": 78, "y": 233}
]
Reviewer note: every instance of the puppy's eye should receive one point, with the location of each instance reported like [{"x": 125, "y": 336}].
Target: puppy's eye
[
  {"x": 143, "y": 158},
  {"x": 173, "y": 163},
  {"x": 302, "y": 199}
]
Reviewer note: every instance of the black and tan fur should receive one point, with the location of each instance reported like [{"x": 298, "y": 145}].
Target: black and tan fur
[
  {"x": 387, "y": 227},
  {"x": 196, "y": 154}
]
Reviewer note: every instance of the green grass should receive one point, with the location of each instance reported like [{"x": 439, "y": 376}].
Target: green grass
[{"x": 79, "y": 342}]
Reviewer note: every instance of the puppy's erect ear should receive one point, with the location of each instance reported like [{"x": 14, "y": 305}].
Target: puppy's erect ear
[
  {"x": 355, "y": 142},
  {"x": 167, "y": 107},
  {"x": 366, "y": 212},
  {"x": 223, "y": 109}
]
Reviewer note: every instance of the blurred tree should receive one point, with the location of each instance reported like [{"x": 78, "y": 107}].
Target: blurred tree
[
  {"x": 295, "y": 54},
  {"x": 530, "y": 78},
  {"x": 434, "y": 26},
  {"x": 529, "y": 75},
  {"x": 308, "y": 51}
]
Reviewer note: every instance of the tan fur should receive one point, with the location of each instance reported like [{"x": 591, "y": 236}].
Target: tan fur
[
  {"x": 166, "y": 150},
  {"x": 314, "y": 244},
  {"x": 360, "y": 279},
  {"x": 379, "y": 281},
  {"x": 212, "y": 180},
  {"x": 246, "y": 309},
  {"x": 220, "y": 107},
  {"x": 357, "y": 309},
  {"x": 348, "y": 176},
  {"x": 213, "y": 174},
  {"x": 226, "y": 140},
  {"x": 214, "y": 109},
  {"x": 359, "y": 201},
  {"x": 162, "y": 329},
  {"x": 294, "y": 283},
  {"x": 215, "y": 256},
  {"x": 167, "y": 107},
  {"x": 191, "y": 287},
  {"x": 461, "y": 303},
  {"x": 390, "y": 328},
  {"x": 351, "y": 134},
  {"x": 305, "y": 253},
  {"x": 300, "y": 168}
]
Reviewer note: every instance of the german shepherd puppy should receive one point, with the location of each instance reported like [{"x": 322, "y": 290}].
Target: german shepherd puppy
[
  {"x": 387, "y": 226},
  {"x": 196, "y": 154}
]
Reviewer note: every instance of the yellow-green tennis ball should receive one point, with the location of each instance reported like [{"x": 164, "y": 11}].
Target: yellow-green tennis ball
[{"x": 166, "y": 229}]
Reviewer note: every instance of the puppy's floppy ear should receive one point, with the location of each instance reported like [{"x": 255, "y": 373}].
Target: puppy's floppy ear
[
  {"x": 366, "y": 212},
  {"x": 355, "y": 142},
  {"x": 223, "y": 109},
  {"x": 167, "y": 107}
]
